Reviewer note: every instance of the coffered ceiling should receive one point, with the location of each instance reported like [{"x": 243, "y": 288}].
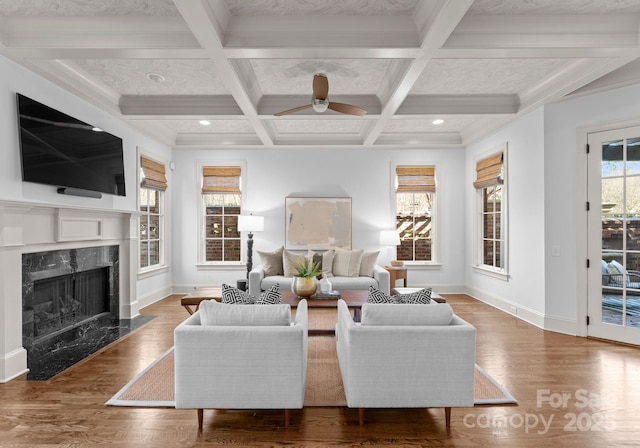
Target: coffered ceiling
[{"x": 164, "y": 65}]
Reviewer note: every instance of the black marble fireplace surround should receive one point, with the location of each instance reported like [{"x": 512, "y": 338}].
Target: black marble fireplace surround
[{"x": 70, "y": 307}]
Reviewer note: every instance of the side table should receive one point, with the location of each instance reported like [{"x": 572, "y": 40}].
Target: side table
[{"x": 397, "y": 273}]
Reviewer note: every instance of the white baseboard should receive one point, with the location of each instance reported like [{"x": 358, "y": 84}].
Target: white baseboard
[
  {"x": 13, "y": 364},
  {"x": 515, "y": 309},
  {"x": 154, "y": 297},
  {"x": 561, "y": 325},
  {"x": 186, "y": 289}
]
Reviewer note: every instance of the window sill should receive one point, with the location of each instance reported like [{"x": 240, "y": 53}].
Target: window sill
[
  {"x": 420, "y": 266},
  {"x": 220, "y": 266},
  {"x": 500, "y": 275},
  {"x": 150, "y": 272}
]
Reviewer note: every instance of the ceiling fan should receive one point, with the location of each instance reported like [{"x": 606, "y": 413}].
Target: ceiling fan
[{"x": 320, "y": 103}]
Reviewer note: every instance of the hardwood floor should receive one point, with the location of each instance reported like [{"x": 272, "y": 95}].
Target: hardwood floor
[{"x": 600, "y": 382}]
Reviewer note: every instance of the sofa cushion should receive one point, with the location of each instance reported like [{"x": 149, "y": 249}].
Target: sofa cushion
[
  {"x": 234, "y": 296},
  {"x": 289, "y": 262},
  {"x": 368, "y": 262},
  {"x": 327, "y": 263},
  {"x": 345, "y": 283},
  {"x": 346, "y": 263},
  {"x": 615, "y": 268},
  {"x": 402, "y": 314},
  {"x": 272, "y": 262},
  {"x": 222, "y": 314}
]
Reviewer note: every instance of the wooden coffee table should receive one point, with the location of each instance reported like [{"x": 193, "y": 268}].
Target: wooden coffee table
[{"x": 353, "y": 298}]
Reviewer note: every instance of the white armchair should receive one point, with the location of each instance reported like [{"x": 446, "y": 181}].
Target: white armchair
[
  {"x": 241, "y": 357},
  {"x": 406, "y": 356}
]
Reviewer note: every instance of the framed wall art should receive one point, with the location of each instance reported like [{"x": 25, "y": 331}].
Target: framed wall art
[{"x": 317, "y": 223}]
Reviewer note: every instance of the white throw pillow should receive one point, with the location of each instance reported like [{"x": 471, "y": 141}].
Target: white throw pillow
[
  {"x": 272, "y": 262},
  {"x": 327, "y": 263},
  {"x": 367, "y": 263},
  {"x": 346, "y": 263},
  {"x": 289, "y": 262},
  {"x": 402, "y": 314},
  {"x": 222, "y": 314}
]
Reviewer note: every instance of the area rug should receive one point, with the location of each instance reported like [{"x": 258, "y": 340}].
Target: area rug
[{"x": 154, "y": 386}]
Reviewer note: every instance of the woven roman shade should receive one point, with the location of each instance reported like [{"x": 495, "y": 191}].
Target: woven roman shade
[
  {"x": 489, "y": 171},
  {"x": 416, "y": 179},
  {"x": 221, "y": 179},
  {"x": 153, "y": 174}
]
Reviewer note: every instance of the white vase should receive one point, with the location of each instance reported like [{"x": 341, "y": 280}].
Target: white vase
[{"x": 324, "y": 284}]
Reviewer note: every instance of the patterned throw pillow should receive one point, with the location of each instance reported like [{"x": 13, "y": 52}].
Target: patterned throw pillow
[
  {"x": 377, "y": 296},
  {"x": 270, "y": 297},
  {"x": 422, "y": 297},
  {"x": 419, "y": 297},
  {"x": 234, "y": 296}
]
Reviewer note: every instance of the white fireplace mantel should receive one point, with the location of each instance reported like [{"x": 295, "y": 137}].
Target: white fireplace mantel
[{"x": 27, "y": 227}]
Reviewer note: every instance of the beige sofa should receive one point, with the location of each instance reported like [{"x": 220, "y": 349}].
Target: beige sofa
[{"x": 345, "y": 270}]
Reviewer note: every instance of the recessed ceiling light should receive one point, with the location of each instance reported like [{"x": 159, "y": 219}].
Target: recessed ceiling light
[
  {"x": 96, "y": 129},
  {"x": 204, "y": 122},
  {"x": 155, "y": 77},
  {"x": 438, "y": 121}
]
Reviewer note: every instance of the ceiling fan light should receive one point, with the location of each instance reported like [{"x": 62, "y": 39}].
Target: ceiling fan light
[{"x": 320, "y": 105}]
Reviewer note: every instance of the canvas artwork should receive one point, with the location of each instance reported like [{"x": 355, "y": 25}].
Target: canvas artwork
[{"x": 317, "y": 223}]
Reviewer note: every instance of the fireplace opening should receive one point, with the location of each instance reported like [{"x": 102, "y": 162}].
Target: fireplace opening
[{"x": 66, "y": 301}]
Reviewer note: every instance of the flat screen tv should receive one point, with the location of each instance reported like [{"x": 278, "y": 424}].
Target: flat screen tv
[{"x": 57, "y": 149}]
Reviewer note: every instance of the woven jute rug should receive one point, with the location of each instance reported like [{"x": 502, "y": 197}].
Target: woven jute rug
[{"x": 154, "y": 386}]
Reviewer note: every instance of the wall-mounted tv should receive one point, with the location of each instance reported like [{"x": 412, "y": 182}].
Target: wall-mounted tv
[{"x": 57, "y": 149}]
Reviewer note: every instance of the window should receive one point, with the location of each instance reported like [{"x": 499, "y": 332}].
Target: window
[
  {"x": 153, "y": 183},
  {"x": 415, "y": 193},
  {"x": 491, "y": 223},
  {"x": 221, "y": 204}
]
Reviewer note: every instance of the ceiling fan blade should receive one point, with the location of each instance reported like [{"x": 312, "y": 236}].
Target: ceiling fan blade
[
  {"x": 347, "y": 109},
  {"x": 320, "y": 87},
  {"x": 291, "y": 111}
]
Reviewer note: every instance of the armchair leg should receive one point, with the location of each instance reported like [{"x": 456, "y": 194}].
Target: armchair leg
[
  {"x": 287, "y": 417},
  {"x": 447, "y": 416},
  {"x": 200, "y": 419},
  {"x": 361, "y": 416}
]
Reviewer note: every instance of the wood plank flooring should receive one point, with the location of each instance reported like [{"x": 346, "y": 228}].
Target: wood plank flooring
[{"x": 600, "y": 406}]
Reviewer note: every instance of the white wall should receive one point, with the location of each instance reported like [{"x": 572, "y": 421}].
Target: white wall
[
  {"x": 524, "y": 288},
  {"x": 16, "y": 79},
  {"x": 564, "y": 185},
  {"x": 364, "y": 175}
]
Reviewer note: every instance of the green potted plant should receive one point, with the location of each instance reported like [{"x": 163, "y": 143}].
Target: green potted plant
[{"x": 305, "y": 280}]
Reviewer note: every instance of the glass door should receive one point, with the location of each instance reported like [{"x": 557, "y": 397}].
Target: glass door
[{"x": 614, "y": 235}]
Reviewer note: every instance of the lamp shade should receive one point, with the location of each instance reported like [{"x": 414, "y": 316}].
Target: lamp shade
[
  {"x": 250, "y": 223},
  {"x": 389, "y": 238}
]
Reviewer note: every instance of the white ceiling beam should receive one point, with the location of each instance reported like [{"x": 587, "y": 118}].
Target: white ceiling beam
[
  {"x": 442, "y": 22},
  {"x": 420, "y": 139},
  {"x": 325, "y": 31},
  {"x": 98, "y": 32},
  {"x": 533, "y": 53},
  {"x": 208, "y": 140},
  {"x": 566, "y": 80},
  {"x": 206, "y": 28},
  {"x": 540, "y": 31},
  {"x": 459, "y": 104},
  {"x": 105, "y": 53},
  {"x": 322, "y": 52},
  {"x": 626, "y": 75},
  {"x": 179, "y": 105},
  {"x": 272, "y": 104}
]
